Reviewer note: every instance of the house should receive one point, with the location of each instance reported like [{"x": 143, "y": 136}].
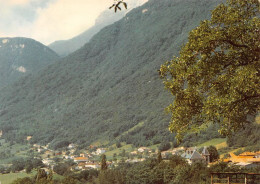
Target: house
[
  {"x": 82, "y": 155},
  {"x": 40, "y": 150},
  {"x": 142, "y": 149},
  {"x": 166, "y": 154},
  {"x": 47, "y": 162},
  {"x": 178, "y": 149},
  {"x": 92, "y": 147},
  {"x": 135, "y": 160},
  {"x": 68, "y": 157},
  {"x": 193, "y": 156},
  {"x": 28, "y": 138},
  {"x": 133, "y": 153},
  {"x": 48, "y": 152},
  {"x": 100, "y": 151},
  {"x": 92, "y": 166},
  {"x": 250, "y": 155},
  {"x": 205, "y": 154},
  {"x": 46, "y": 146},
  {"x": 257, "y": 154},
  {"x": 36, "y": 146},
  {"x": 80, "y": 166},
  {"x": 58, "y": 153},
  {"x": 80, "y": 159},
  {"x": 71, "y": 146},
  {"x": 246, "y": 159}
]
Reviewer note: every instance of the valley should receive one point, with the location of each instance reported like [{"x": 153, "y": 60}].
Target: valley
[{"x": 166, "y": 92}]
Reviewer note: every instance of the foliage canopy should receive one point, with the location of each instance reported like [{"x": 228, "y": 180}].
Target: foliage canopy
[{"x": 216, "y": 77}]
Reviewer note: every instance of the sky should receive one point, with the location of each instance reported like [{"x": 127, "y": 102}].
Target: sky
[{"x": 49, "y": 20}]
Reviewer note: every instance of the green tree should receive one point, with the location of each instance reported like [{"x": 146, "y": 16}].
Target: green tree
[
  {"x": 159, "y": 156},
  {"x": 61, "y": 168},
  {"x": 50, "y": 176},
  {"x": 118, "y": 144},
  {"x": 17, "y": 165},
  {"x": 103, "y": 162},
  {"x": 41, "y": 175},
  {"x": 214, "y": 155},
  {"x": 37, "y": 163},
  {"x": 25, "y": 180},
  {"x": 164, "y": 146},
  {"x": 69, "y": 180},
  {"x": 114, "y": 157},
  {"x": 28, "y": 167},
  {"x": 216, "y": 77},
  {"x": 123, "y": 153}
]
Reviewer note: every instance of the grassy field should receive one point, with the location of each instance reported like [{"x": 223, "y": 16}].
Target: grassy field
[
  {"x": 9, "y": 178},
  {"x": 133, "y": 128},
  {"x": 221, "y": 145},
  {"x": 218, "y": 142},
  {"x": 15, "y": 150},
  {"x": 155, "y": 147},
  {"x": 100, "y": 142},
  {"x": 127, "y": 148}
]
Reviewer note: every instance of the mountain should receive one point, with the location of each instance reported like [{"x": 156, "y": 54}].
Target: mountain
[
  {"x": 109, "y": 90},
  {"x": 22, "y": 56},
  {"x": 107, "y": 17}
]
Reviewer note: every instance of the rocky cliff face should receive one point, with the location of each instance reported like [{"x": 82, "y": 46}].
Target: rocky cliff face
[{"x": 22, "y": 56}]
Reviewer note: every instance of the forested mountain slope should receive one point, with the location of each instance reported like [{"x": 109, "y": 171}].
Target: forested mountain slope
[
  {"x": 22, "y": 56},
  {"x": 110, "y": 88}
]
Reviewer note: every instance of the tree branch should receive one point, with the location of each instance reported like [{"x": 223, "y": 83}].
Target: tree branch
[{"x": 235, "y": 44}]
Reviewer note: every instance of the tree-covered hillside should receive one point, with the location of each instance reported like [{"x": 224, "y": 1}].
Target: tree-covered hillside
[
  {"x": 110, "y": 88},
  {"x": 22, "y": 56}
]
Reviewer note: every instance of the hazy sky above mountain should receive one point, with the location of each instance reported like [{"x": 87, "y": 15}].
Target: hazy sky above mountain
[{"x": 49, "y": 20}]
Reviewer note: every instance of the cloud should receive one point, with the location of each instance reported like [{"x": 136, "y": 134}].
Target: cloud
[
  {"x": 64, "y": 19},
  {"x": 17, "y": 2},
  {"x": 50, "y": 20},
  {"x": 18, "y": 16}
]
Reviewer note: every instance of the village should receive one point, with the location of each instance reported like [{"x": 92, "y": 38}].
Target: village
[
  {"x": 90, "y": 158},
  {"x": 73, "y": 158}
]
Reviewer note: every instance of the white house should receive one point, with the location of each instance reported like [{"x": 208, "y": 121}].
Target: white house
[
  {"x": 142, "y": 149},
  {"x": 92, "y": 165},
  {"x": 192, "y": 156},
  {"x": 68, "y": 157},
  {"x": 40, "y": 150},
  {"x": 100, "y": 151},
  {"x": 47, "y": 161},
  {"x": 71, "y": 146}
]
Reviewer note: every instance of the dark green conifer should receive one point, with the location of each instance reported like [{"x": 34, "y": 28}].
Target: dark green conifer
[
  {"x": 159, "y": 156},
  {"x": 103, "y": 162}
]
